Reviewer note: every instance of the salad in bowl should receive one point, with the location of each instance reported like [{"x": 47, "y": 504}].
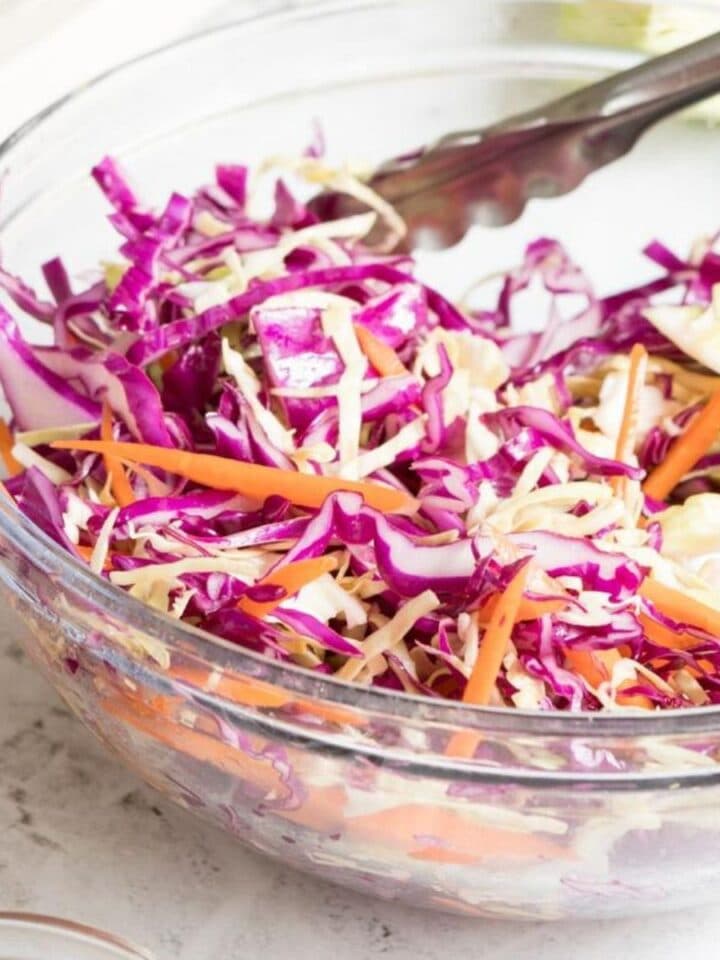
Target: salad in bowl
[{"x": 259, "y": 424}]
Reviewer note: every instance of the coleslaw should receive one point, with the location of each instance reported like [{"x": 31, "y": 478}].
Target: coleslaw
[{"x": 256, "y": 423}]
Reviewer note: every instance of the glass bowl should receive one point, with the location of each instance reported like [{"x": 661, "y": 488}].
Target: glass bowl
[
  {"x": 30, "y": 936},
  {"x": 477, "y": 811}
]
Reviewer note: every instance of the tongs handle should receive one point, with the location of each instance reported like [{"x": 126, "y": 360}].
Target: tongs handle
[{"x": 641, "y": 95}]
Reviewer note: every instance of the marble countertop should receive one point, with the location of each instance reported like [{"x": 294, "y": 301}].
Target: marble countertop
[{"x": 80, "y": 836}]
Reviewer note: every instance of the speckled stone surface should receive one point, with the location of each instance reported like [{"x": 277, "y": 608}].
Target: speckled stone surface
[{"x": 83, "y": 838}]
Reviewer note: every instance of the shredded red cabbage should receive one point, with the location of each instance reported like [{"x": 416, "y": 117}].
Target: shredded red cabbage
[{"x": 221, "y": 332}]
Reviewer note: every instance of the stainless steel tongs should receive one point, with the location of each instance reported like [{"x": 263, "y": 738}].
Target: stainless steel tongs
[{"x": 487, "y": 176}]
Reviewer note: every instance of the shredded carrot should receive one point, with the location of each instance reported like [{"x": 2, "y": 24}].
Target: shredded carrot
[
  {"x": 407, "y": 827},
  {"x": 665, "y": 637},
  {"x": 596, "y": 666},
  {"x": 419, "y": 828},
  {"x": 161, "y": 719},
  {"x": 685, "y": 451},
  {"x": 86, "y": 552},
  {"x": 156, "y": 718},
  {"x": 504, "y": 610},
  {"x": 463, "y": 744},
  {"x": 7, "y": 442},
  {"x": 680, "y": 607},
  {"x": 251, "y": 479},
  {"x": 381, "y": 355},
  {"x": 494, "y": 643},
  {"x": 250, "y": 692},
  {"x": 588, "y": 665},
  {"x": 119, "y": 483},
  {"x": 292, "y": 578},
  {"x": 528, "y": 609},
  {"x": 633, "y": 699}
]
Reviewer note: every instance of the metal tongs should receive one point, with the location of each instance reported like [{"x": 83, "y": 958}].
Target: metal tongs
[{"x": 487, "y": 176}]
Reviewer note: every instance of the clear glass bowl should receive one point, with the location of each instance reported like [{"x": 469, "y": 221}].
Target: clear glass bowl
[
  {"x": 552, "y": 815},
  {"x": 30, "y": 936}
]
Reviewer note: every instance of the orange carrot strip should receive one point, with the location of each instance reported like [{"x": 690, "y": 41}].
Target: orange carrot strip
[
  {"x": 258, "y": 693},
  {"x": 589, "y": 666},
  {"x": 119, "y": 483},
  {"x": 665, "y": 637},
  {"x": 160, "y": 718},
  {"x": 528, "y": 609},
  {"x": 628, "y": 424},
  {"x": 685, "y": 451},
  {"x": 463, "y": 744},
  {"x": 456, "y": 837},
  {"x": 494, "y": 643},
  {"x": 681, "y": 608},
  {"x": 7, "y": 442},
  {"x": 633, "y": 699},
  {"x": 251, "y": 479},
  {"x": 292, "y": 578},
  {"x": 157, "y": 719},
  {"x": 381, "y": 356},
  {"x": 596, "y": 666},
  {"x": 85, "y": 552}
]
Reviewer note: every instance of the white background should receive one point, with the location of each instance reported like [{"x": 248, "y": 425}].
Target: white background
[{"x": 79, "y": 836}]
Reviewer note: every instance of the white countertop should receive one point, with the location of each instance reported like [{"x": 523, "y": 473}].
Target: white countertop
[{"x": 81, "y": 837}]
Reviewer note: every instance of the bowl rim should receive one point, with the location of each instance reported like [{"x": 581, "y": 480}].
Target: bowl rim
[
  {"x": 72, "y": 575},
  {"x": 28, "y": 922}
]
